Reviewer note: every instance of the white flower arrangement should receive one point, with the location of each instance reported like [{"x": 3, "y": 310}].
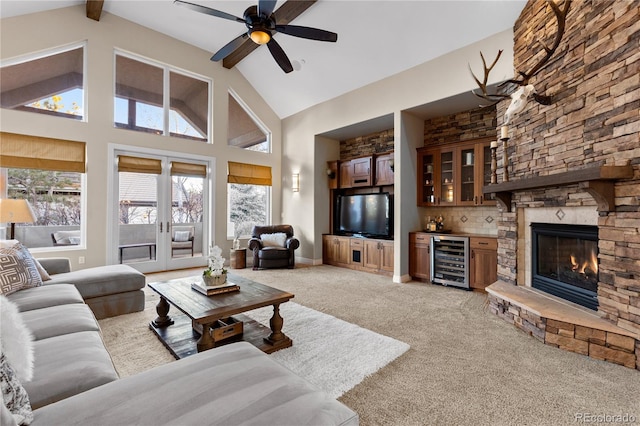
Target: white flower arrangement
[{"x": 216, "y": 262}]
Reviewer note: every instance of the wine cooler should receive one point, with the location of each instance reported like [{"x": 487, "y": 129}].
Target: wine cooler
[{"x": 450, "y": 260}]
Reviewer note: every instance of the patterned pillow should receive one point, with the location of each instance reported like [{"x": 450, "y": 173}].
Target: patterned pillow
[
  {"x": 12, "y": 243},
  {"x": 14, "y": 396},
  {"x": 17, "y": 270},
  {"x": 274, "y": 240}
]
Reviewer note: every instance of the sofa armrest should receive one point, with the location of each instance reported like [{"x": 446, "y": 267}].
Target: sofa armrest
[
  {"x": 56, "y": 265},
  {"x": 292, "y": 243},
  {"x": 255, "y": 244}
]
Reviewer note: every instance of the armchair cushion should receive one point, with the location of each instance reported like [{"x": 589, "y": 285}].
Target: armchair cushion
[
  {"x": 276, "y": 239},
  {"x": 181, "y": 236}
]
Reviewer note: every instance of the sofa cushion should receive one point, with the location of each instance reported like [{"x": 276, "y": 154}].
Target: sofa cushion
[
  {"x": 102, "y": 280},
  {"x": 45, "y": 296},
  {"x": 233, "y": 384},
  {"x": 17, "y": 269},
  {"x": 68, "y": 365},
  {"x": 59, "y": 320},
  {"x": 14, "y": 396}
]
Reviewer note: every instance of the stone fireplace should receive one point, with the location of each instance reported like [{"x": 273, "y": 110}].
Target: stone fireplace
[{"x": 575, "y": 162}]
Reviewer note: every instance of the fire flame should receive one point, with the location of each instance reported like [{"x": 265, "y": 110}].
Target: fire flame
[{"x": 580, "y": 267}]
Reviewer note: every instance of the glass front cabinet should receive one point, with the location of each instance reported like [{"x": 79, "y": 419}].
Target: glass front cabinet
[{"x": 454, "y": 174}]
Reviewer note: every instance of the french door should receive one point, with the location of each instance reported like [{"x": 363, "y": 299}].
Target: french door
[{"x": 160, "y": 211}]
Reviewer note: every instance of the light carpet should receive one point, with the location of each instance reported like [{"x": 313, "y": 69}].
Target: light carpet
[{"x": 332, "y": 354}]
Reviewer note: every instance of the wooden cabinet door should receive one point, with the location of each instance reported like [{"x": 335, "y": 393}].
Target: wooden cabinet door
[
  {"x": 345, "y": 174},
  {"x": 466, "y": 176},
  {"x": 328, "y": 249},
  {"x": 384, "y": 171},
  {"x": 483, "y": 264},
  {"x": 420, "y": 256},
  {"x": 361, "y": 171},
  {"x": 343, "y": 251},
  {"x": 446, "y": 178},
  {"x": 427, "y": 172},
  {"x": 386, "y": 256},
  {"x": 371, "y": 258}
]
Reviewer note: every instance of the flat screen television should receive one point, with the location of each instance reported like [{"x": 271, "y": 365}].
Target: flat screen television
[{"x": 368, "y": 215}]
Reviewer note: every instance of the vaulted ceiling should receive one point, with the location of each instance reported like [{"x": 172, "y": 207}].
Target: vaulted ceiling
[{"x": 376, "y": 38}]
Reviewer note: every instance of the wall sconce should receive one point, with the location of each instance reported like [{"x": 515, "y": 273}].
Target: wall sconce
[
  {"x": 331, "y": 174},
  {"x": 295, "y": 182}
]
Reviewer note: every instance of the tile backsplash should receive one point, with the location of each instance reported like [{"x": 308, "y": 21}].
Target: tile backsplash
[{"x": 471, "y": 220}]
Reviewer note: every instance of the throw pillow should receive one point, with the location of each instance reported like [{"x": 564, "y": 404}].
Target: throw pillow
[
  {"x": 273, "y": 240},
  {"x": 181, "y": 236},
  {"x": 14, "y": 396},
  {"x": 12, "y": 243},
  {"x": 16, "y": 340},
  {"x": 17, "y": 270}
]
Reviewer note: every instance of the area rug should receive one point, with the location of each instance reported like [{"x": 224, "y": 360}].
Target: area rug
[{"x": 332, "y": 354}]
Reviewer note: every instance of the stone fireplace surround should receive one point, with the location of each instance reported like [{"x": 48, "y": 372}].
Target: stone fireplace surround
[{"x": 593, "y": 121}]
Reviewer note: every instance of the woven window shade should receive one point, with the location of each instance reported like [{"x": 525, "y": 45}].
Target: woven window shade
[
  {"x": 139, "y": 165},
  {"x": 188, "y": 169},
  {"x": 249, "y": 174},
  {"x": 34, "y": 152}
]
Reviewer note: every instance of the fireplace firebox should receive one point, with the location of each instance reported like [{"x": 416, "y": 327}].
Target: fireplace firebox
[{"x": 565, "y": 262}]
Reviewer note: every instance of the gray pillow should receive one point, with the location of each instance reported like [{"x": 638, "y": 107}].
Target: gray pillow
[{"x": 17, "y": 270}]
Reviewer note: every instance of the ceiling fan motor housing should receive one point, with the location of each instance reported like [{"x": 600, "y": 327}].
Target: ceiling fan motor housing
[{"x": 260, "y": 27}]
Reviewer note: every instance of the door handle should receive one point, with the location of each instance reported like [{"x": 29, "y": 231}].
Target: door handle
[
  {"x": 160, "y": 227},
  {"x": 168, "y": 227}
]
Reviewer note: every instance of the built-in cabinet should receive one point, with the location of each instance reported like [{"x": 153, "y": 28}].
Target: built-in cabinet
[
  {"x": 373, "y": 170},
  {"x": 363, "y": 254},
  {"x": 454, "y": 174},
  {"x": 483, "y": 262},
  {"x": 420, "y": 256},
  {"x": 483, "y": 259}
]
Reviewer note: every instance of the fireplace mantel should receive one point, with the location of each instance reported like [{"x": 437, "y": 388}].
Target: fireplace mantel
[{"x": 597, "y": 181}]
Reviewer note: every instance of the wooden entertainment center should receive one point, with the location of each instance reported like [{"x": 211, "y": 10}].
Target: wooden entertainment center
[{"x": 371, "y": 174}]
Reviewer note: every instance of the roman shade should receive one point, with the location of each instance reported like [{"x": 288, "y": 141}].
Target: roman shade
[
  {"x": 34, "y": 152},
  {"x": 188, "y": 169},
  {"x": 139, "y": 165},
  {"x": 249, "y": 174}
]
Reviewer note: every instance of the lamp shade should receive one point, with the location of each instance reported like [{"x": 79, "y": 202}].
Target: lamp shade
[{"x": 16, "y": 211}]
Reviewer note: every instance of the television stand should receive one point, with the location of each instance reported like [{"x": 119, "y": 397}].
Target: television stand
[{"x": 359, "y": 253}]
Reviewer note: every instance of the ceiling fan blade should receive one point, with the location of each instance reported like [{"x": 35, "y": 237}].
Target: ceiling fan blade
[
  {"x": 208, "y": 11},
  {"x": 228, "y": 48},
  {"x": 307, "y": 32},
  {"x": 265, "y": 7},
  {"x": 279, "y": 55}
]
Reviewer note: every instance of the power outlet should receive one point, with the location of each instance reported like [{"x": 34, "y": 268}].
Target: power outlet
[{"x": 81, "y": 260}]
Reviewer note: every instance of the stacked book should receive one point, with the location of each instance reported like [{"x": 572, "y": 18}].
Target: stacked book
[{"x": 211, "y": 290}]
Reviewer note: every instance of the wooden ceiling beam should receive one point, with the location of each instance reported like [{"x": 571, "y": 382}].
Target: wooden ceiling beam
[
  {"x": 94, "y": 9},
  {"x": 286, "y": 13}
]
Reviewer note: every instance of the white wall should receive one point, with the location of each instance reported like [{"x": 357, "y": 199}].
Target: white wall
[
  {"x": 42, "y": 31},
  {"x": 440, "y": 78}
]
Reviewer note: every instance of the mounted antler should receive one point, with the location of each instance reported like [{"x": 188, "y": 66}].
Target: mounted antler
[{"x": 505, "y": 89}]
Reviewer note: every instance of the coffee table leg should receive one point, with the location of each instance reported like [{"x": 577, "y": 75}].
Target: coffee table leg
[
  {"x": 205, "y": 341},
  {"x": 276, "y": 322},
  {"x": 163, "y": 320}
]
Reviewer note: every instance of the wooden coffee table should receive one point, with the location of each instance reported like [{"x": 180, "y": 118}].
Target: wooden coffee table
[{"x": 202, "y": 312}]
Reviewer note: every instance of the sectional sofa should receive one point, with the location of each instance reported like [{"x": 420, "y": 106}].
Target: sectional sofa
[{"x": 75, "y": 382}]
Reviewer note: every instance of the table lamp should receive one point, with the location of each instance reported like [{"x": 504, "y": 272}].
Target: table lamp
[{"x": 16, "y": 211}]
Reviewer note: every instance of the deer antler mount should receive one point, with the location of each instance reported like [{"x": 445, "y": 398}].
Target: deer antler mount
[{"x": 524, "y": 90}]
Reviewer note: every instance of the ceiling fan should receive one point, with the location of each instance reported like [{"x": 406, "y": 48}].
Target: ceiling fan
[{"x": 261, "y": 25}]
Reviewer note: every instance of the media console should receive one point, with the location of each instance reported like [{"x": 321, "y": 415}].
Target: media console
[{"x": 362, "y": 254}]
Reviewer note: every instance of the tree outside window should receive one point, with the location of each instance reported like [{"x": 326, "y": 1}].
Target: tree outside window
[{"x": 248, "y": 207}]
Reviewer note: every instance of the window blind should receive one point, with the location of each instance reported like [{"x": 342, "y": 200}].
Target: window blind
[
  {"x": 250, "y": 174},
  {"x": 34, "y": 152},
  {"x": 188, "y": 169},
  {"x": 127, "y": 163}
]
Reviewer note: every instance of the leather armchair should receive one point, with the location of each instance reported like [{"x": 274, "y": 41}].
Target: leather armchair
[{"x": 265, "y": 256}]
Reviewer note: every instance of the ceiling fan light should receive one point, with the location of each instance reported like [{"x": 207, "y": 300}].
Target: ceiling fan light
[{"x": 260, "y": 37}]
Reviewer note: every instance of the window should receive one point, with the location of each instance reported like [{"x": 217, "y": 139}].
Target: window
[
  {"x": 140, "y": 104},
  {"x": 49, "y": 173},
  {"x": 249, "y": 196},
  {"x": 244, "y": 129},
  {"x": 51, "y": 84}
]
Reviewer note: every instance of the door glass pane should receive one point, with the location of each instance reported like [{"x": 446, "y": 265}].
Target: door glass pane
[
  {"x": 428, "y": 184},
  {"x": 446, "y": 177},
  {"x": 138, "y": 215},
  {"x": 187, "y": 211},
  {"x": 486, "y": 175},
  {"x": 467, "y": 174}
]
